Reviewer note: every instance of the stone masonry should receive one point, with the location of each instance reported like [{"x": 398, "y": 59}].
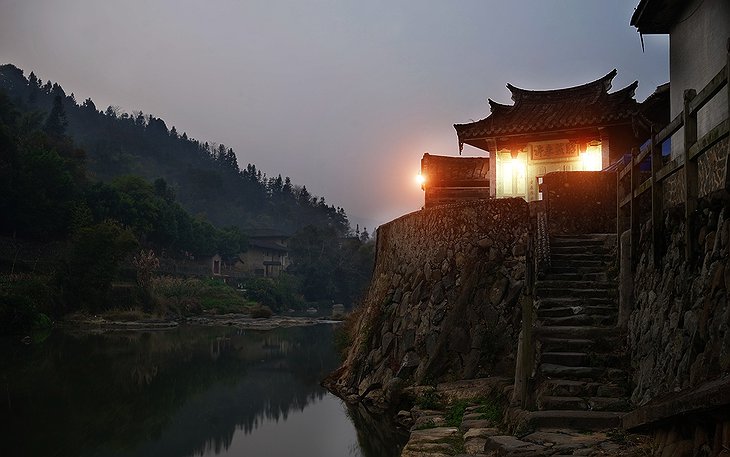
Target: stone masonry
[
  {"x": 442, "y": 304},
  {"x": 679, "y": 334}
]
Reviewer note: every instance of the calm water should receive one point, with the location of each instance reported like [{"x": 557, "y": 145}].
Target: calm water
[{"x": 196, "y": 391}]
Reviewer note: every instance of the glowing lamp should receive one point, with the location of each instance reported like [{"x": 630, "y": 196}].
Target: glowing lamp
[{"x": 592, "y": 159}]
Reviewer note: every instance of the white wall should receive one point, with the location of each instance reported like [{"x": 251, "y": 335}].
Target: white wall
[{"x": 697, "y": 52}]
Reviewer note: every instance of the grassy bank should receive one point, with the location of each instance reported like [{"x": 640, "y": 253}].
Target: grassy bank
[{"x": 185, "y": 296}]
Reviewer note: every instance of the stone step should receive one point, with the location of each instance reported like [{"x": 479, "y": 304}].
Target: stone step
[
  {"x": 597, "y": 248},
  {"x": 582, "y": 359},
  {"x": 563, "y": 311},
  {"x": 568, "y": 388},
  {"x": 573, "y": 284},
  {"x": 577, "y": 263},
  {"x": 579, "y": 319},
  {"x": 576, "y": 332},
  {"x": 562, "y": 302},
  {"x": 554, "y": 371},
  {"x": 546, "y": 403},
  {"x": 576, "y": 420},
  {"x": 505, "y": 445},
  {"x": 575, "y": 293},
  {"x": 570, "y": 359},
  {"x": 609, "y": 404},
  {"x": 604, "y": 237},
  {"x": 564, "y": 268},
  {"x": 562, "y": 344},
  {"x": 556, "y": 257},
  {"x": 575, "y": 276},
  {"x": 565, "y": 344}
]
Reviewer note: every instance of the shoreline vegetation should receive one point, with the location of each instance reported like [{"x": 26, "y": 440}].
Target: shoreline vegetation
[
  {"x": 83, "y": 233},
  {"x": 165, "y": 303},
  {"x": 102, "y": 323}
]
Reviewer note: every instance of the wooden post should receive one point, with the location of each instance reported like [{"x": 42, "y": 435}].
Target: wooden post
[
  {"x": 619, "y": 210},
  {"x": 635, "y": 229},
  {"x": 523, "y": 388},
  {"x": 690, "y": 176},
  {"x": 657, "y": 203},
  {"x": 727, "y": 90}
]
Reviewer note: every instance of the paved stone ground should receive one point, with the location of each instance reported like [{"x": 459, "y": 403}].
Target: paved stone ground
[
  {"x": 431, "y": 436},
  {"x": 480, "y": 438}
]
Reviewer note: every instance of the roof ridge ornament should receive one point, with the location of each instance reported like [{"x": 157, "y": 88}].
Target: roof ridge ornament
[
  {"x": 600, "y": 86},
  {"x": 495, "y": 106},
  {"x": 586, "y": 106}
]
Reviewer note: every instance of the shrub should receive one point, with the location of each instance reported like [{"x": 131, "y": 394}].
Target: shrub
[
  {"x": 193, "y": 296},
  {"x": 455, "y": 414},
  {"x": 430, "y": 400},
  {"x": 279, "y": 293},
  {"x": 92, "y": 263},
  {"x": 345, "y": 333},
  {"x": 17, "y": 314},
  {"x": 261, "y": 312},
  {"x": 491, "y": 408},
  {"x": 40, "y": 290}
]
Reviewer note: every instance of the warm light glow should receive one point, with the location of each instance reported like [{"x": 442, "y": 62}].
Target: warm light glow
[
  {"x": 512, "y": 177},
  {"x": 592, "y": 159},
  {"x": 420, "y": 179}
]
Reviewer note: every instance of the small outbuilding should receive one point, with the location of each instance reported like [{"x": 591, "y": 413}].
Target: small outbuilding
[{"x": 449, "y": 179}]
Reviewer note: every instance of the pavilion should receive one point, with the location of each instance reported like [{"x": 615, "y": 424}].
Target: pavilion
[{"x": 578, "y": 128}]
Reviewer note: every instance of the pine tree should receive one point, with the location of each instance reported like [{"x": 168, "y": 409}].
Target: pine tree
[{"x": 56, "y": 121}]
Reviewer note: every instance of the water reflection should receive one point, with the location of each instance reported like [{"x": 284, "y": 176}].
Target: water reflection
[{"x": 191, "y": 391}]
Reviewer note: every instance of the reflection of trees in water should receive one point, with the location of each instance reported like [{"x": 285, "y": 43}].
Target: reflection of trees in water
[
  {"x": 179, "y": 392},
  {"x": 378, "y": 436}
]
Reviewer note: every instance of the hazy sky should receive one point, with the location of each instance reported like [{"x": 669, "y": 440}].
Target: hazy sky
[{"x": 343, "y": 96}]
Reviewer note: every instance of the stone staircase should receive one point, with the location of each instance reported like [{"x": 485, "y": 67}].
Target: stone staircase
[{"x": 579, "y": 380}]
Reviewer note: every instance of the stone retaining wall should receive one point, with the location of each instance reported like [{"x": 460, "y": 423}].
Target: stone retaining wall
[
  {"x": 443, "y": 302},
  {"x": 711, "y": 168},
  {"x": 678, "y": 332}
]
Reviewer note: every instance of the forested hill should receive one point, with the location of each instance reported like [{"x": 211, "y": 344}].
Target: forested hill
[{"x": 205, "y": 176}]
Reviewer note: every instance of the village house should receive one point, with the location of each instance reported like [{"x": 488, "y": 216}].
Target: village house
[
  {"x": 581, "y": 128},
  {"x": 698, "y": 31},
  {"x": 267, "y": 255}
]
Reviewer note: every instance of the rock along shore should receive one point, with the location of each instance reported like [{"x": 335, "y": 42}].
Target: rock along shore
[{"x": 242, "y": 321}]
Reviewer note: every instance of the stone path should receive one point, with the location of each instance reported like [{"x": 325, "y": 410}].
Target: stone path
[
  {"x": 478, "y": 437},
  {"x": 580, "y": 383},
  {"x": 581, "y": 387}
]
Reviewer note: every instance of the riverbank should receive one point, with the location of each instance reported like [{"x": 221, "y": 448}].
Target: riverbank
[{"x": 242, "y": 321}]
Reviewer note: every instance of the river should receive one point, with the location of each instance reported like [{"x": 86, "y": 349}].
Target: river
[{"x": 191, "y": 391}]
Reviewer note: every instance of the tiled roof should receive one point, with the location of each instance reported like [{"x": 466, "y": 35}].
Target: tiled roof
[
  {"x": 454, "y": 171},
  {"x": 537, "y": 111},
  {"x": 263, "y": 244},
  {"x": 657, "y": 16}
]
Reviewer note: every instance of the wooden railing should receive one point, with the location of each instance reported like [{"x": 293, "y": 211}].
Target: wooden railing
[
  {"x": 630, "y": 187},
  {"x": 537, "y": 259}
]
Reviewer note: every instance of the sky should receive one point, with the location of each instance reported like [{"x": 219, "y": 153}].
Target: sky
[{"x": 343, "y": 96}]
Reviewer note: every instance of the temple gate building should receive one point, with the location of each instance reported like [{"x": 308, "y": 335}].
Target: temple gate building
[{"x": 579, "y": 128}]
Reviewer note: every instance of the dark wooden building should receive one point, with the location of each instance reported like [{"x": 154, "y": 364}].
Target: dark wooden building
[{"x": 450, "y": 179}]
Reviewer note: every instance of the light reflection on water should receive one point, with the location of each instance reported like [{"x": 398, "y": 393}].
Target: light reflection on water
[{"x": 191, "y": 391}]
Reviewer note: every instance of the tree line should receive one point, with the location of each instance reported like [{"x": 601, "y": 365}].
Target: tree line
[
  {"x": 205, "y": 175},
  {"x": 104, "y": 205}
]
